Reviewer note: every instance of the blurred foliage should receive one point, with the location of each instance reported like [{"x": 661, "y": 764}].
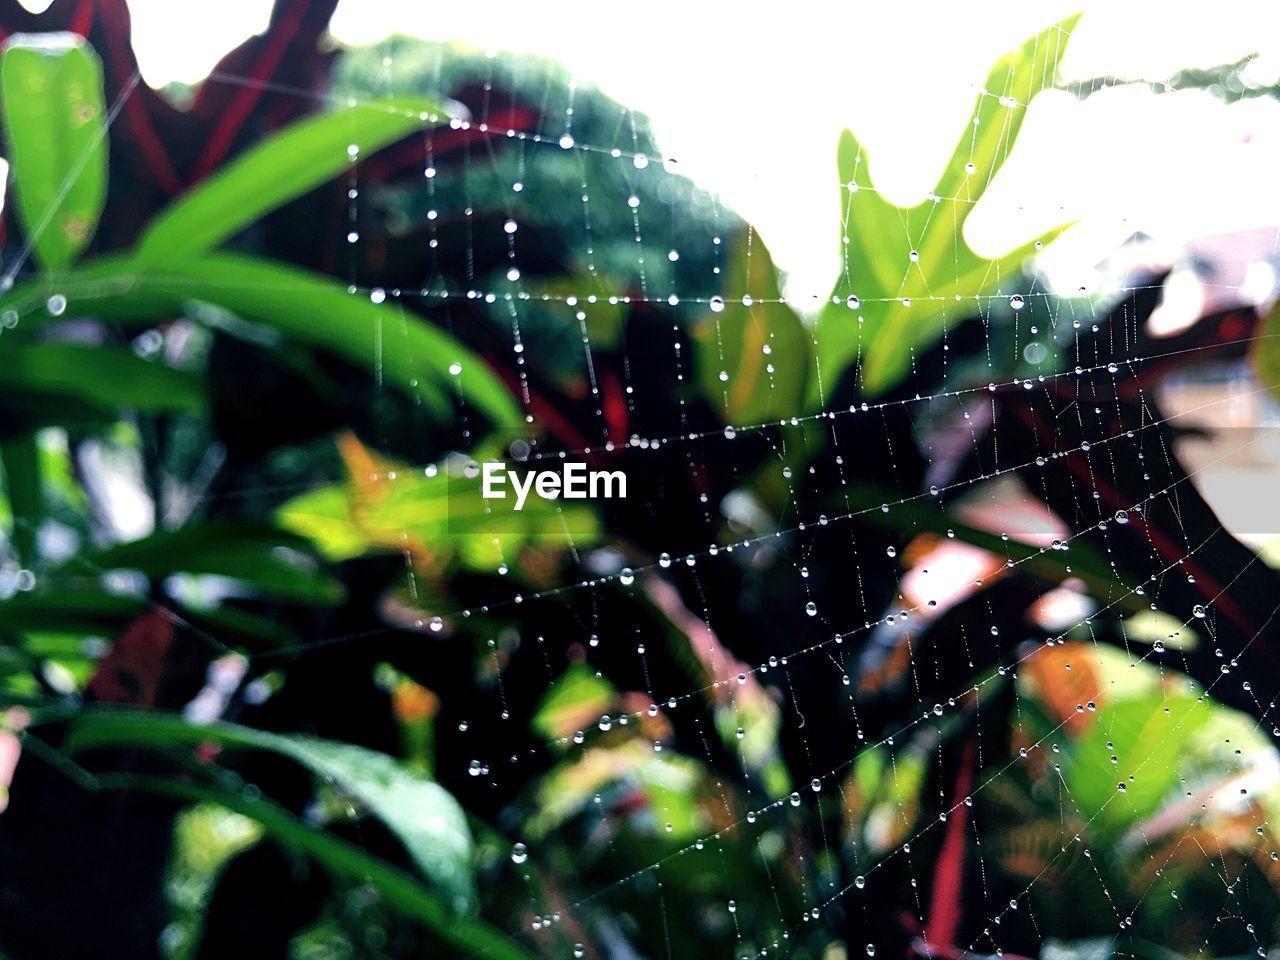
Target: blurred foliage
[{"x": 278, "y": 684}]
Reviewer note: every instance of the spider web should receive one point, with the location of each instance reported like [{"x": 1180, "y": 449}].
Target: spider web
[
  {"x": 943, "y": 519},
  {"x": 821, "y": 894},
  {"x": 828, "y": 887}
]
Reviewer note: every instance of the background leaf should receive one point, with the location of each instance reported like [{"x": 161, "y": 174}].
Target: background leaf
[
  {"x": 425, "y": 817},
  {"x": 55, "y": 121},
  {"x": 110, "y": 378},
  {"x": 306, "y": 307},
  {"x": 760, "y": 347},
  {"x": 868, "y": 314},
  {"x": 345, "y": 860},
  {"x": 244, "y": 551}
]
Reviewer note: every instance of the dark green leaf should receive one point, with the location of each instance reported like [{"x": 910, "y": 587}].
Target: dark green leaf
[
  {"x": 108, "y": 378},
  {"x": 264, "y": 557},
  {"x": 55, "y": 121},
  {"x": 304, "y": 306},
  {"x": 71, "y": 611},
  {"x": 426, "y": 818},
  {"x": 343, "y": 859},
  {"x": 21, "y": 458}
]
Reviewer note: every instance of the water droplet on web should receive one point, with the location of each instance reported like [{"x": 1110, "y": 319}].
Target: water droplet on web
[
  {"x": 717, "y": 304},
  {"x": 730, "y": 433},
  {"x": 377, "y": 295},
  {"x": 511, "y": 226},
  {"x": 811, "y": 608},
  {"x": 892, "y": 551},
  {"x": 664, "y": 560},
  {"x": 1199, "y": 612},
  {"x": 626, "y": 576},
  {"x": 1016, "y": 302},
  {"x": 519, "y": 853},
  {"x": 56, "y": 305},
  {"x": 455, "y": 368},
  {"x": 860, "y": 882}
]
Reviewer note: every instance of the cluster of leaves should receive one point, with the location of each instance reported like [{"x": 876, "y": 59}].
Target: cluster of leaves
[{"x": 286, "y": 744}]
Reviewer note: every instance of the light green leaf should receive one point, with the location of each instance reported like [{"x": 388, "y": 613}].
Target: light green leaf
[
  {"x": 306, "y": 307},
  {"x": 422, "y": 814},
  {"x": 576, "y": 699},
  {"x": 1147, "y": 735},
  {"x": 55, "y": 121},
  {"x": 281, "y": 168},
  {"x": 442, "y": 515},
  {"x": 945, "y": 276},
  {"x": 761, "y": 347}
]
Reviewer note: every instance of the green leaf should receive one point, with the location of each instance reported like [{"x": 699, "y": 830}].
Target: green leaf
[
  {"x": 109, "y": 378},
  {"x": 21, "y": 458},
  {"x": 55, "y": 120},
  {"x": 307, "y": 307},
  {"x": 259, "y": 555},
  {"x": 443, "y": 515},
  {"x": 422, "y": 814},
  {"x": 469, "y": 935},
  {"x": 761, "y": 347},
  {"x": 1264, "y": 352},
  {"x": 941, "y": 283},
  {"x": 71, "y": 611},
  {"x": 573, "y": 701},
  {"x": 281, "y": 168},
  {"x": 1148, "y": 735}
]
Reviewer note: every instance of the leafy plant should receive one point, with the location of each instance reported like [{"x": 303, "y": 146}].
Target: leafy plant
[{"x": 281, "y": 686}]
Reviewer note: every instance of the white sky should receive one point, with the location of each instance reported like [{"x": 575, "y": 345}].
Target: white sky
[{"x": 750, "y": 99}]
